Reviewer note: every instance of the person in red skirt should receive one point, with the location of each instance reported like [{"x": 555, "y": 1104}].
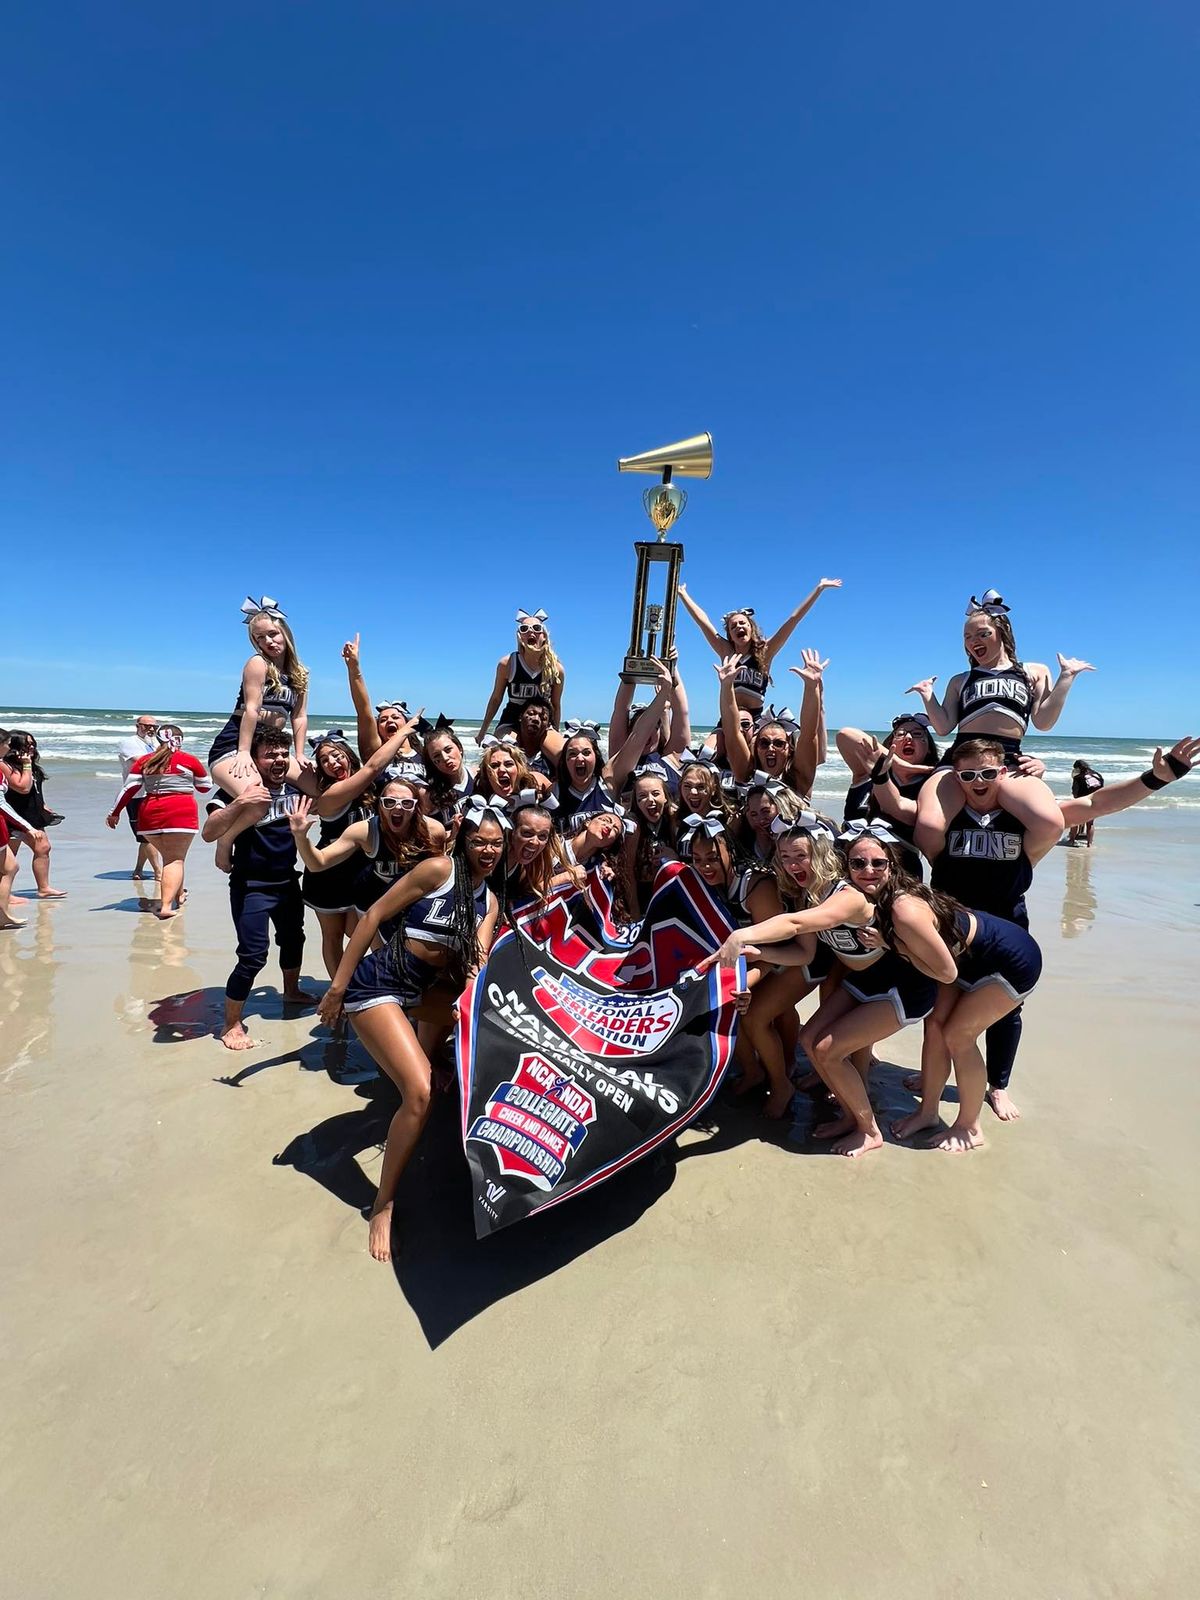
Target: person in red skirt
[{"x": 168, "y": 813}]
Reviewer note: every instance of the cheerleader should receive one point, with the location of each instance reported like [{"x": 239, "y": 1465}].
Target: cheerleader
[
  {"x": 442, "y": 917},
  {"x": 273, "y": 693},
  {"x": 531, "y": 671},
  {"x": 744, "y": 643},
  {"x": 783, "y": 748},
  {"x": 997, "y": 697},
  {"x": 171, "y": 779},
  {"x": 450, "y": 781}
]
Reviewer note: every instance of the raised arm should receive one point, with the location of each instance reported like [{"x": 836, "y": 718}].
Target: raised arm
[
  {"x": 498, "y": 686},
  {"x": 332, "y": 801},
  {"x": 811, "y": 744},
  {"x": 619, "y": 716},
  {"x": 364, "y": 711},
  {"x": 942, "y": 714},
  {"x": 918, "y": 939},
  {"x": 620, "y": 765},
  {"x": 716, "y": 640},
  {"x": 320, "y": 859},
  {"x": 679, "y": 738},
  {"x": 789, "y": 624},
  {"x": 1050, "y": 704},
  {"x": 737, "y": 748},
  {"x": 1114, "y": 797}
]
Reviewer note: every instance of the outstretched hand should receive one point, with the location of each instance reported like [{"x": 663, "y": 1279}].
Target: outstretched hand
[
  {"x": 1184, "y": 752},
  {"x": 1070, "y": 666},
  {"x": 813, "y": 665},
  {"x": 727, "y": 955},
  {"x": 350, "y": 651},
  {"x": 830, "y": 583},
  {"x": 924, "y": 688},
  {"x": 726, "y": 669},
  {"x": 301, "y": 819}
]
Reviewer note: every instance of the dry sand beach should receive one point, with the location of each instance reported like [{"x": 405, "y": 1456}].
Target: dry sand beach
[{"x": 746, "y": 1369}]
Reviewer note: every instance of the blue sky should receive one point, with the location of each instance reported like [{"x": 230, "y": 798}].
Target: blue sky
[{"x": 357, "y": 305}]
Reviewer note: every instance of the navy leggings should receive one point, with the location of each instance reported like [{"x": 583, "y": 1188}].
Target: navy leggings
[
  {"x": 1003, "y": 1037},
  {"x": 255, "y": 908}
]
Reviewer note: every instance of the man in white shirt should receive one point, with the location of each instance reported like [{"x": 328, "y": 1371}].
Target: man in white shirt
[{"x": 140, "y": 743}]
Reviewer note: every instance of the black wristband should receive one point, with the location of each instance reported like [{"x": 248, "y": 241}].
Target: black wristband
[
  {"x": 1179, "y": 768},
  {"x": 878, "y": 775},
  {"x": 1151, "y": 782}
]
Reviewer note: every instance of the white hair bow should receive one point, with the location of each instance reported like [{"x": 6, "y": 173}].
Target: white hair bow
[
  {"x": 475, "y": 809},
  {"x": 572, "y": 727},
  {"x": 505, "y": 740},
  {"x": 252, "y": 608},
  {"x": 694, "y": 823},
  {"x": 703, "y": 758},
  {"x": 628, "y": 825},
  {"x": 992, "y": 603},
  {"x": 807, "y": 822},
  {"x": 858, "y": 829},
  {"x": 324, "y": 738},
  {"x": 785, "y": 718},
  {"x": 391, "y": 705},
  {"x": 532, "y": 616},
  {"x": 530, "y": 797},
  {"x": 764, "y": 780}
]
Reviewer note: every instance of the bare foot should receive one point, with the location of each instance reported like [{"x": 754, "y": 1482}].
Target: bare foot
[
  {"x": 912, "y": 1083},
  {"x": 380, "y": 1239},
  {"x": 236, "y": 1038},
  {"x": 11, "y": 922},
  {"x": 906, "y": 1127},
  {"x": 52, "y": 894},
  {"x": 777, "y": 1102},
  {"x": 163, "y": 914},
  {"x": 19, "y": 900},
  {"x": 298, "y": 997},
  {"x": 1003, "y": 1105},
  {"x": 858, "y": 1143},
  {"x": 137, "y": 875},
  {"x": 833, "y": 1130},
  {"x": 957, "y": 1140}
]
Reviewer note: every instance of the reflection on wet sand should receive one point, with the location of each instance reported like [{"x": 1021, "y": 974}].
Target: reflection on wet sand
[
  {"x": 28, "y": 970},
  {"x": 153, "y": 947},
  {"x": 1079, "y": 899}
]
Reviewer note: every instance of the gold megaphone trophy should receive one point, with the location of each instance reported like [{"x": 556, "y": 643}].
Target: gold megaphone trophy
[{"x": 653, "y": 631}]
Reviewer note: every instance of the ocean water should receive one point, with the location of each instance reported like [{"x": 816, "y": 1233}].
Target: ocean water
[{"x": 84, "y": 742}]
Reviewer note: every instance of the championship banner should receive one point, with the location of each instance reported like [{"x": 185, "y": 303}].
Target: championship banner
[{"x": 583, "y": 1045}]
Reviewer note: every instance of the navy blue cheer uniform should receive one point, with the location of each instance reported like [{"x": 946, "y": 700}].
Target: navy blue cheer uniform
[
  {"x": 409, "y": 767},
  {"x": 985, "y": 866},
  {"x": 750, "y": 684},
  {"x": 381, "y": 872},
  {"x": 523, "y": 686},
  {"x": 862, "y": 804},
  {"x": 655, "y": 766},
  {"x": 394, "y": 976},
  {"x": 446, "y": 810},
  {"x": 1001, "y": 952},
  {"x": 335, "y": 888},
  {"x": 874, "y": 976},
  {"x": 264, "y": 892},
  {"x": 574, "y": 808},
  {"x": 989, "y": 691},
  {"x": 278, "y": 702}
]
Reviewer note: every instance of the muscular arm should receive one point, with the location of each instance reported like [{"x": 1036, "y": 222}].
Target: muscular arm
[
  {"x": 234, "y": 818},
  {"x": 680, "y": 736}
]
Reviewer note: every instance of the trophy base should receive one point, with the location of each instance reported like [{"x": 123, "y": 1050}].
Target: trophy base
[{"x": 639, "y": 669}]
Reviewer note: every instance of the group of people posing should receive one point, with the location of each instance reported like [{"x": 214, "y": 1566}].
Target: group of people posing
[{"x": 908, "y": 907}]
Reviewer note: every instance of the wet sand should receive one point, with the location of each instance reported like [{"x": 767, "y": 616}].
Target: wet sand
[{"x": 751, "y": 1368}]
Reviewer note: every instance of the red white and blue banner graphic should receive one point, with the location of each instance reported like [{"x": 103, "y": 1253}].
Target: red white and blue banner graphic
[{"x": 583, "y": 1045}]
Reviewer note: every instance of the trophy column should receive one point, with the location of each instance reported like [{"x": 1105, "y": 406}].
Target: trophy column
[{"x": 656, "y": 588}]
